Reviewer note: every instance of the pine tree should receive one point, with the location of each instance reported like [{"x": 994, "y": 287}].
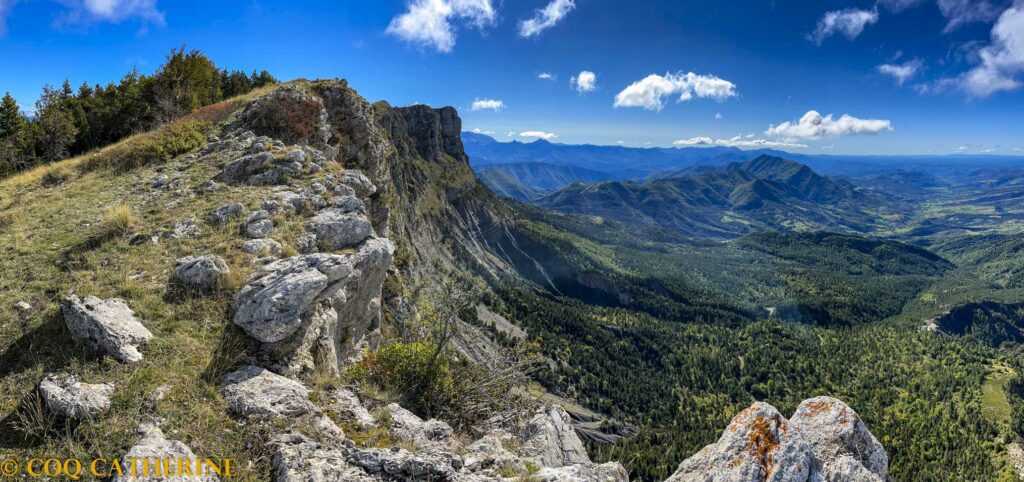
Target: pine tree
[{"x": 11, "y": 120}]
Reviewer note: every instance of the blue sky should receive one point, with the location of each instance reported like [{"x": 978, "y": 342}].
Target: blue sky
[{"x": 776, "y": 73}]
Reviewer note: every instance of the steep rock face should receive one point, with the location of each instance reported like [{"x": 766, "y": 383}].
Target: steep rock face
[{"x": 824, "y": 441}]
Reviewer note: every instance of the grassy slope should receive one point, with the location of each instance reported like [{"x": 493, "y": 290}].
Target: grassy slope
[{"x": 193, "y": 342}]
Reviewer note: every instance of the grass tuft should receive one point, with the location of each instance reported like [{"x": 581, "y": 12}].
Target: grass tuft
[{"x": 118, "y": 220}]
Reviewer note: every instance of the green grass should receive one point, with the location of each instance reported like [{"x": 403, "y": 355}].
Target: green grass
[
  {"x": 994, "y": 404},
  {"x": 57, "y": 241}
]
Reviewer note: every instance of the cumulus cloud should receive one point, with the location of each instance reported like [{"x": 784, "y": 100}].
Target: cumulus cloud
[
  {"x": 738, "y": 141},
  {"x": 546, "y": 17},
  {"x": 651, "y": 91},
  {"x": 585, "y": 82},
  {"x": 488, "y": 104},
  {"x": 478, "y": 131},
  {"x": 813, "y": 126},
  {"x": 537, "y": 135},
  {"x": 429, "y": 23},
  {"x": 849, "y": 22},
  {"x": 546, "y": 76},
  {"x": 901, "y": 72},
  {"x": 718, "y": 116},
  {"x": 1002, "y": 60}
]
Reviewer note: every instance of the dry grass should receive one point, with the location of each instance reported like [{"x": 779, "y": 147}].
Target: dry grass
[
  {"x": 54, "y": 176},
  {"x": 118, "y": 220}
]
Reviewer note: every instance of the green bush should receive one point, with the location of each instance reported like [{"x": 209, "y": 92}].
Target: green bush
[
  {"x": 462, "y": 393},
  {"x": 155, "y": 147}
]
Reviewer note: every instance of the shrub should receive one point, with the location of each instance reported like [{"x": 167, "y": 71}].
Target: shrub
[
  {"x": 288, "y": 118},
  {"x": 118, "y": 220},
  {"x": 54, "y": 176},
  {"x": 158, "y": 146},
  {"x": 462, "y": 393}
]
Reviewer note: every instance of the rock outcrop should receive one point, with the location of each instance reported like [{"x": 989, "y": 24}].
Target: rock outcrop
[
  {"x": 824, "y": 441},
  {"x": 108, "y": 326},
  {"x": 315, "y": 308},
  {"x": 65, "y": 396}
]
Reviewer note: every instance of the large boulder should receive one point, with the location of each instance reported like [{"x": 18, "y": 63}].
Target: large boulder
[
  {"x": 824, "y": 441},
  {"x": 65, "y": 396},
  {"x": 844, "y": 449},
  {"x": 201, "y": 273},
  {"x": 154, "y": 446},
  {"x": 399, "y": 464},
  {"x": 550, "y": 441},
  {"x": 336, "y": 229},
  {"x": 241, "y": 169},
  {"x": 315, "y": 309},
  {"x": 269, "y": 307},
  {"x": 607, "y": 472},
  {"x": 108, "y": 326}
]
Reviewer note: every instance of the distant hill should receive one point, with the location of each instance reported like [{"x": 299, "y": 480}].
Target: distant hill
[
  {"x": 528, "y": 180},
  {"x": 765, "y": 192},
  {"x": 659, "y": 162}
]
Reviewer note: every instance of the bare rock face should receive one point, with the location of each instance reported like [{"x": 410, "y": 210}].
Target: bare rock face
[
  {"x": 824, "y": 441},
  {"x": 109, "y": 326},
  {"x": 202, "y": 273},
  {"x": 336, "y": 229},
  {"x": 550, "y": 440},
  {"x": 316, "y": 308},
  {"x": 843, "y": 447},
  {"x": 489, "y": 457},
  {"x": 399, "y": 464},
  {"x": 155, "y": 446},
  {"x": 64, "y": 395}
]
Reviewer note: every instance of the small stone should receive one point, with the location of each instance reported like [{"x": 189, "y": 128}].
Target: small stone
[
  {"x": 259, "y": 229},
  {"x": 262, "y": 247},
  {"x": 296, "y": 156},
  {"x": 226, "y": 213},
  {"x": 202, "y": 273},
  {"x": 22, "y": 307},
  {"x": 257, "y": 216},
  {"x": 160, "y": 181},
  {"x": 67, "y": 397},
  {"x": 359, "y": 182}
]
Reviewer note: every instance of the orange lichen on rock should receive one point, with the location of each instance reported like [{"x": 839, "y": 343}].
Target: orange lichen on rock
[{"x": 764, "y": 439}]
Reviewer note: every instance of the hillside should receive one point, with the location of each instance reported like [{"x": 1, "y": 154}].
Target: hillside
[
  {"x": 289, "y": 262},
  {"x": 738, "y": 198},
  {"x": 527, "y": 180}
]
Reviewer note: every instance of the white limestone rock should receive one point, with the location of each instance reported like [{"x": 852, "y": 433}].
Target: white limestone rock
[
  {"x": 66, "y": 396},
  {"x": 108, "y": 325}
]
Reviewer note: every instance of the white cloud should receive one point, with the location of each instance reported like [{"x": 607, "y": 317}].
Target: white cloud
[
  {"x": 962, "y": 148},
  {"x": 1016, "y": 149},
  {"x": 511, "y": 133},
  {"x": 695, "y": 141},
  {"x": 989, "y": 150},
  {"x": 718, "y": 116},
  {"x": 650, "y": 92},
  {"x": 901, "y": 72},
  {"x": 546, "y": 17},
  {"x": 546, "y": 76},
  {"x": 830, "y": 146},
  {"x": 478, "y": 131},
  {"x": 428, "y": 23},
  {"x": 620, "y": 142},
  {"x": 962, "y": 12},
  {"x": 115, "y": 11},
  {"x": 1002, "y": 60},
  {"x": 5, "y": 9},
  {"x": 538, "y": 135},
  {"x": 488, "y": 104},
  {"x": 585, "y": 82},
  {"x": 738, "y": 142},
  {"x": 813, "y": 126},
  {"x": 849, "y": 22}
]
